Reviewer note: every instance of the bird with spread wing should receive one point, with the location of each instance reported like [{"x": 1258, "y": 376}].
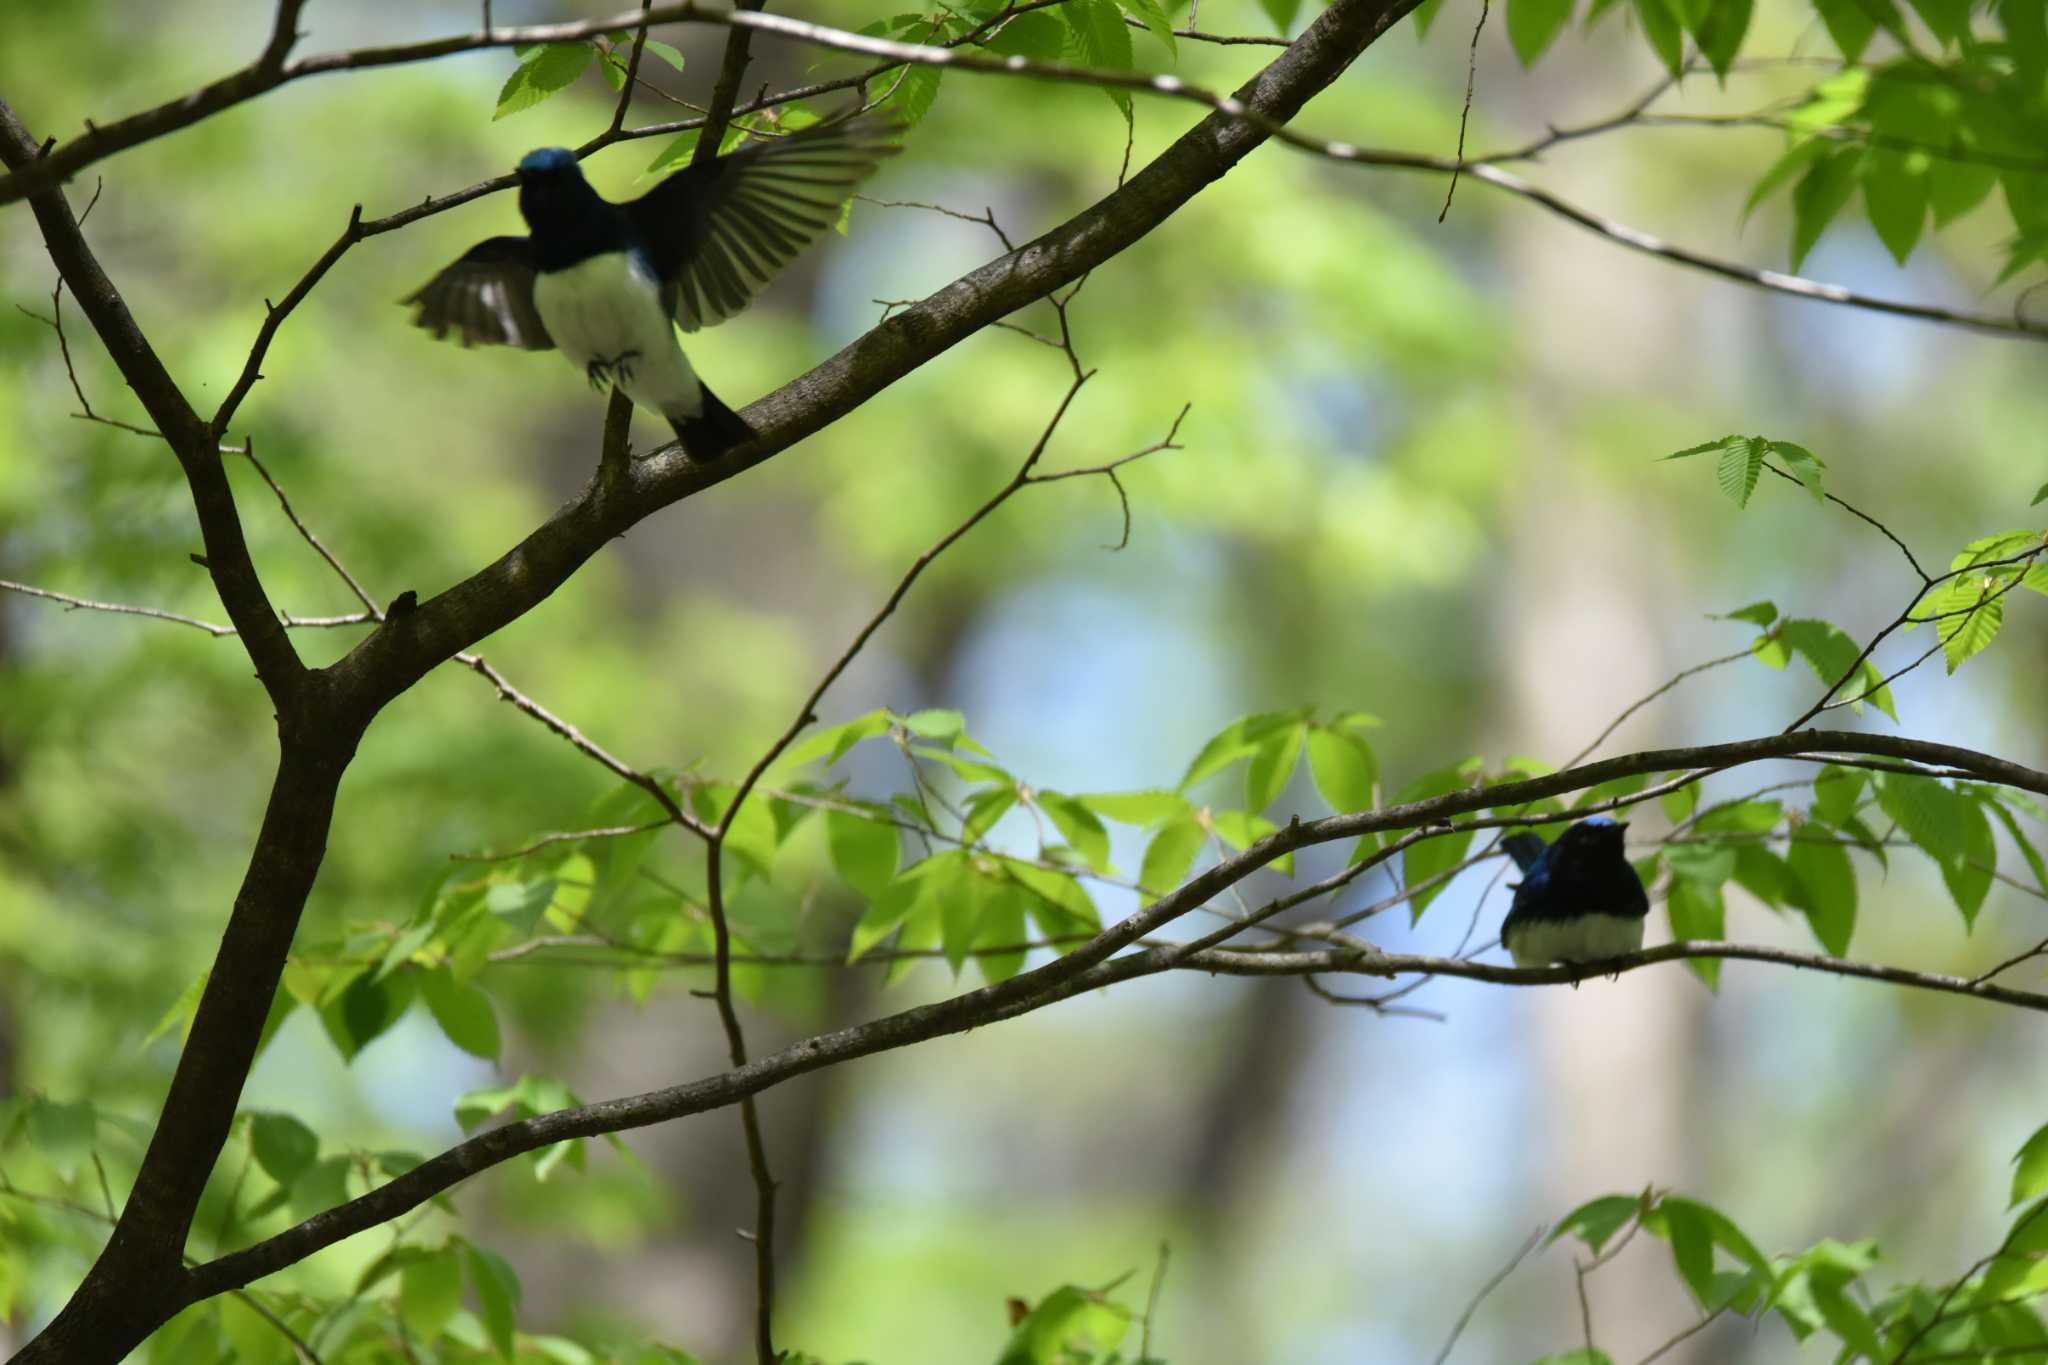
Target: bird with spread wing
[{"x": 607, "y": 284}]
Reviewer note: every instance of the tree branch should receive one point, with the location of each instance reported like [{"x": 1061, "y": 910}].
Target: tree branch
[{"x": 1093, "y": 965}]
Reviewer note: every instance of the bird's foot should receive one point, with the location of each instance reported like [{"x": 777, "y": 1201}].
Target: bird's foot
[
  {"x": 599, "y": 373},
  {"x": 622, "y": 365}
]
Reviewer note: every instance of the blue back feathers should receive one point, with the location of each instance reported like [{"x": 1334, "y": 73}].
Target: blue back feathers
[{"x": 547, "y": 159}]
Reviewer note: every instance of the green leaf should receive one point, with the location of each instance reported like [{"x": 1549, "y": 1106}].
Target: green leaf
[
  {"x": 1837, "y": 791},
  {"x": 1720, "y": 35},
  {"x": 1804, "y": 465},
  {"x": 663, "y": 51},
  {"x": 1240, "y": 739},
  {"x": 320, "y": 1187},
  {"x": 1153, "y": 16},
  {"x": 834, "y": 741},
  {"x": 498, "y": 1292},
  {"x": 1680, "y": 804},
  {"x": 937, "y": 725},
  {"x": 1831, "y": 654},
  {"x": 1430, "y": 858},
  {"x": 429, "y": 1292},
  {"x": 886, "y": 912},
  {"x": 1663, "y": 33},
  {"x": 1144, "y": 809},
  {"x": 1742, "y": 462},
  {"x": 545, "y": 70},
  {"x": 909, "y": 90},
  {"x": 1697, "y": 912},
  {"x": 1079, "y": 826},
  {"x": 1707, "y": 865},
  {"x": 1282, "y": 13},
  {"x": 1596, "y": 1220},
  {"x": 1035, "y": 36},
  {"x": 1272, "y": 766},
  {"x": 1802, "y": 155},
  {"x": 1097, "y": 38},
  {"x": 2022, "y": 1265},
  {"x": 1425, "y": 15},
  {"x": 284, "y": 1147},
  {"x": 1990, "y": 801},
  {"x": 1820, "y": 195},
  {"x": 864, "y": 851},
  {"x": 1968, "y": 612},
  {"x": 984, "y": 810},
  {"x": 1848, "y": 23},
  {"x": 1759, "y": 614},
  {"x": 1533, "y": 24},
  {"x": 1344, "y": 768},
  {"x": 1069, "y": 1324},
  {"x": 1954, "y": 187},
  {"x": 180, "y": 1013},
  {"x": 363, "y": 1012},
  {"x": 1826, "y": 887},
  {"x": 463, "y": 1012},
  {"x": 2031, "y": 1176},
  {"x": 1895, "y": 194},
  {"x": 2039, "y": 497}
]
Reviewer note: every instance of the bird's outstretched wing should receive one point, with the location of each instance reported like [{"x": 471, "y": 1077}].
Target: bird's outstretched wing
[
  {"x": 722, "y": 228},
  {"x": 486, "y": 296}
]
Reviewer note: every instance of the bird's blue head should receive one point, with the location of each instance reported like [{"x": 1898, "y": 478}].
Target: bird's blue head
[{"x": 547, "y": 161}]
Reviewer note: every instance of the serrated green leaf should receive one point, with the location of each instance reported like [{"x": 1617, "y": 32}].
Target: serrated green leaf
[
  {"x": 1097, "y": 37},
  {"x": 1597, "y": 1220},
  {"x": 1826, "y": 887},
  {"x": 1144, "y": 809},
  {"x": 1759, "y": 614},
  {"x": 662, "y": 50},
  {"x": 498, "y": 1293},
  {"x": 1820, "y": 195},
  {"x": 364, "y": 1011},
  {"x": 2030, "y": 1176},
  {"x": 284, "y": 1147},
  {"x": 1153, "y": 16},
  {"x": 1804, "y": 465},
  {"x": 429, "y": 1292},
  {"x": 1170, "y": 854},
  {"x": 1663, "y": 32},
  {"x": 1741, "y": 463},
  {"x": 1895, "y": 195},
  {"x": 1802, "y": 155},
  {"x": 1083, "y": 832},
  {"x": 1431, "y": 858},
  {"x": 1697, "y": 912},
  {"x": 1035, "y": 36},
  {"x": 463, "y": 1012},
  {"x": 1533, "y": 24},
  {"x": 1344, "y": 768},
  {"x": 1837, "y": 791},
  {"x": 1831, "y": 654},
  {"x": 543, "y": 71},
  {"x": 1721, "y": 33},
  {"x": 1272, "y": 766},
  {"x": 864, "y": 851}
]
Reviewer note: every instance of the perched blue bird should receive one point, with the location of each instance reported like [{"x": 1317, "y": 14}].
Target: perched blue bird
[
  {"x": 1579, "y": 900},
  {"x": 609, "y": 283}
]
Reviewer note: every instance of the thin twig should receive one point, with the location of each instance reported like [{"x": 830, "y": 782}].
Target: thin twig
[{"x": 1458, "y": 1328}]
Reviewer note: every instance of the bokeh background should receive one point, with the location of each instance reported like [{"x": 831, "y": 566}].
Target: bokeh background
[{"x": 1419, "y": 480}]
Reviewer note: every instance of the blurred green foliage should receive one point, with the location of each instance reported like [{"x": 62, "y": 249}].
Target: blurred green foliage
[{"x": 1387, "y": 440}]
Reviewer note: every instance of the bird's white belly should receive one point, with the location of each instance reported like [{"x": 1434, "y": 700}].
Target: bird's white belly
[
  {"x": 607, "y": 311},
  {"x": 1588, "y": 938}
]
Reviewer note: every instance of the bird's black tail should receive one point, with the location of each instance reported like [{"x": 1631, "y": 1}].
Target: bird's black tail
[
  {"x": 715, "y": 430},
  {"x": 1524, "y": 848}
]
